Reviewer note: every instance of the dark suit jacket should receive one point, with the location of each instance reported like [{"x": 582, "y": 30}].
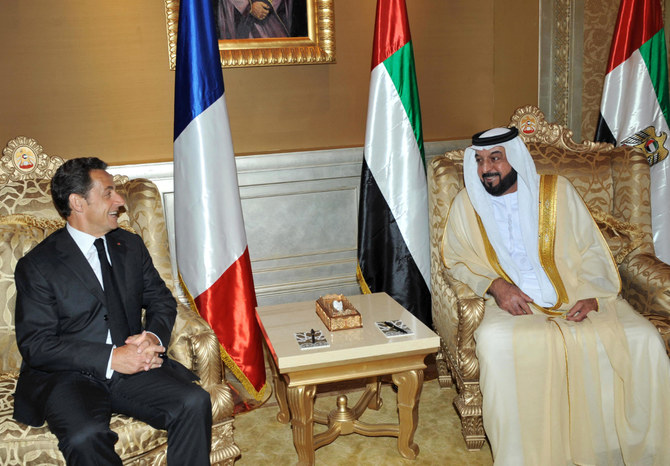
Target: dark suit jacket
[{"x": 60, "y": 313}]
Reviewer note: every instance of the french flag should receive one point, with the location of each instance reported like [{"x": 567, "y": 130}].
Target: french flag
[{"x": 212, "y": 252}]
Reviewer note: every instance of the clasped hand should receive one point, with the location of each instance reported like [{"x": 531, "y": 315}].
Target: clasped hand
[
  {"x": 260, "y": 10},
  {"x": 141, "y": 352},
  {"x": 510, "y": 298}
]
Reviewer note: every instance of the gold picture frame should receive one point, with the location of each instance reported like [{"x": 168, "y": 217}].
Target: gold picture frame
[{"x": 316, "y": 48}]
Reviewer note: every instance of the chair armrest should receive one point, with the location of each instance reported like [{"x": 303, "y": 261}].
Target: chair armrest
[
  {"x": 470, "y": 315},
  {"x": 644, "y": 284},
  {"x": 195, "y": 345},
  {"x": 644, "y": 280}
]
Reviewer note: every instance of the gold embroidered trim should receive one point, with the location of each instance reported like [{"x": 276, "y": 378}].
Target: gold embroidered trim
[{"x": 547, "y": 239}]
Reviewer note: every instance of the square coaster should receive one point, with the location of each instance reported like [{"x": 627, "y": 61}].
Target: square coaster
[
  {"x": 393, "y": 328},
  {"x": 311, "y": 339}
]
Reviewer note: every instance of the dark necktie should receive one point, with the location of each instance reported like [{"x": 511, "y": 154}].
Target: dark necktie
[{"x": 118, "y": 324}]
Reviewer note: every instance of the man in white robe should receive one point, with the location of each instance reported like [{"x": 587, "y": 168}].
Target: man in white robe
[{"x": 569, "y": 372}]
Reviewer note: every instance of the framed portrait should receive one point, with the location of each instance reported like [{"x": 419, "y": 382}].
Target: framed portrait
[{"x": 266, "y": 32}]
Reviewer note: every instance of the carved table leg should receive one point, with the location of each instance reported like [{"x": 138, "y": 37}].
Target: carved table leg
[
  {"x": 409, "y": 385},
  {"x": 375, "y": 384},
  {"x": 301, "y": 404},
  {"x": 279, "y": 384}
]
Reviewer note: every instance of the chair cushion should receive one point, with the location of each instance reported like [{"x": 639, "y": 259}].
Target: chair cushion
[
  {"x": 19, "y": 233},
  {"x": 16, "y": 239},
  {"x": 144, "y": 213},
  {"x": 28, "y": 196},
  {"x": 22, "y": 444},
  {"x": 589, "y": 172}
]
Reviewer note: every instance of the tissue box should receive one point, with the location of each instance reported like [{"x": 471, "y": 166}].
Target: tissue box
[{"x": 337, "y": 313}]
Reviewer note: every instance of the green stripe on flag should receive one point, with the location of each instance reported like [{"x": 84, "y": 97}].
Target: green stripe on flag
[
  {"x": 400, "y": 67},
  {"x": 653, "y": 53}
]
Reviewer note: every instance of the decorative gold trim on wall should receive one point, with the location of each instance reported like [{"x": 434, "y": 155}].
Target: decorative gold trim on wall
[{"x": 562, "y": 63}]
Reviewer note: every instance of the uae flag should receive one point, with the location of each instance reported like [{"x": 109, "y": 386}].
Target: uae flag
[
  {"x": 212, "y": 252},
  {"x": 635, "y": 103},
  {"x": 393, "y": 242}
]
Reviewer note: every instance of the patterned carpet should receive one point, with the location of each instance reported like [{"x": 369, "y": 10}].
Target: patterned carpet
[{"x": 264, "y": 441}]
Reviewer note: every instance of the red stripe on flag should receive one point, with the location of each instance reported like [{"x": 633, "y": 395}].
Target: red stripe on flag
[
  {"x": 391, "y": 30},
  {"x": 636, "y": 23},
  {"x": 229, "y": 308}
]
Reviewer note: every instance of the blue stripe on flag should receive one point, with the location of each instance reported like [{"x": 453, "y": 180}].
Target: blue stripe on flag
[{"x": 198, "y": 79}]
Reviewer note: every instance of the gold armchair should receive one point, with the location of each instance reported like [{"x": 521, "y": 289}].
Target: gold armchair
[
  {"x": 614, "y": 183},
  {"x": 27, "y": 216}
]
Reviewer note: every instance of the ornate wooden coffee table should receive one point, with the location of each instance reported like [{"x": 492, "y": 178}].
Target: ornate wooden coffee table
[{"x": 362, "y": 353}]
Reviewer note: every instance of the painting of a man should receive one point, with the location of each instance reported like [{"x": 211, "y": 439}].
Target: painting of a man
[{"x": 255, "y": 19}]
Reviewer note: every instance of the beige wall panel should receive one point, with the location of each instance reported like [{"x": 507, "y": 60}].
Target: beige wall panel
[
  {"x": 516, "y": 56},
  {"x": 454, "y": 62},
  {"x": 92, "y": 78},
  {"x": 87, "y": 77}
]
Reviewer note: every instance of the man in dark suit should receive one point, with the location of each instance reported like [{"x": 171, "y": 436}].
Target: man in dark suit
[{"x": 86, "y": 353}]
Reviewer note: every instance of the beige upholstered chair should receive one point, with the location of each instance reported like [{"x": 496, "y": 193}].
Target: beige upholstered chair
[
  {"x": 27, "y": 216},
  {"x": 614, "y": 183}
]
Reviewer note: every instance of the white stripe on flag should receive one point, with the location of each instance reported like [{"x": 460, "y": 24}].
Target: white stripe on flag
[
  {"x": 392, "y": 154},
  {"x": 631, "y": 104},
  {"x": 203, "y": 152}
]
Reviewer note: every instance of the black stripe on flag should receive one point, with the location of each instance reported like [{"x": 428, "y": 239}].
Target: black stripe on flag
[
  {"x": 385, "y": 261},
  {"x": 603, "y": 133}
]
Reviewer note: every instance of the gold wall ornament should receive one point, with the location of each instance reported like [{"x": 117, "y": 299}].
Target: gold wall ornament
[
  {"x": 317, "y": 47},
  {"x": 651, "y": 143},
  {"x": 23, "y": 159}
]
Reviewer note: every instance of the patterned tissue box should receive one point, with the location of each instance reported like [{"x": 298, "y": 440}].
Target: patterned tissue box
[{"x": 337, "y": 313}]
